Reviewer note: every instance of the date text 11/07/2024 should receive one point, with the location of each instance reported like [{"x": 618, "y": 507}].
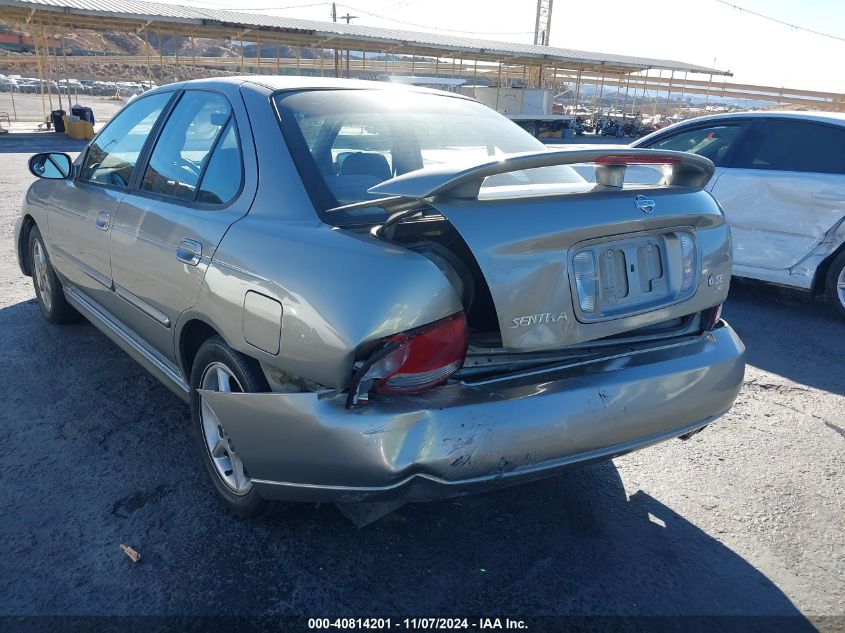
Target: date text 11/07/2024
[{"x": 431, "y": 624}]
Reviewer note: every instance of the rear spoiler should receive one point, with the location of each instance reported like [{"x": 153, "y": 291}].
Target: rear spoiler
[{"x": 458, "y": 180}]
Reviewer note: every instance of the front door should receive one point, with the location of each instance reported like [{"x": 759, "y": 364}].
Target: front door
[
  {"x": 168, "y": 227},
  {"x": 83, "y": 208}
]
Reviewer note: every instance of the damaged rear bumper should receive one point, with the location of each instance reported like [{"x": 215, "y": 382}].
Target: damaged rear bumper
[{"x": 462, "y": 438}]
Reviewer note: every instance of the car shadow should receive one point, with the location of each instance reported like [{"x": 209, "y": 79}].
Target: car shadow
[
  {"x": 788, "y": 332},
  {"x": 97, "y": 453},
  {"x": 575, "y": 545}
]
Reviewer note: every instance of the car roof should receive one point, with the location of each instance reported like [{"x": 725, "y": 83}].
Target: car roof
[
  {"x": 291, "y": 82},
  {"x": 837, "y": 118}
]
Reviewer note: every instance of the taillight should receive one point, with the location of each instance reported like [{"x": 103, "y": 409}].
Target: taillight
[
  {"x": 586, "y": 280},
  {"x": 688, "y": 263},
  {"x": 637, "y": 159},
  {"x": 413, "y": 361}
]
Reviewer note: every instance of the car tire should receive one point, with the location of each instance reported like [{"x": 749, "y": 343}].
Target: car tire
[
  {"x": 48, "y": 289},
  {"x": 835, "y": 283},
  {"x": 236, "y": 372},
  {"x": 532, "y": 129}
]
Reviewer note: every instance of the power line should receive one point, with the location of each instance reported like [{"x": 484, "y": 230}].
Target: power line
[
  {"x": 781, "y": 22},
  {"x": 437, "y": 28}
]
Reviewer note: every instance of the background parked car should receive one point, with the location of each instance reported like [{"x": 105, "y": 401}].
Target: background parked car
[{"x": 780, "y": 178}]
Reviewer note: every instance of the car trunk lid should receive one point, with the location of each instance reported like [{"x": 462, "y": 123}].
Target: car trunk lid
[{"x": 531, "y": 250}]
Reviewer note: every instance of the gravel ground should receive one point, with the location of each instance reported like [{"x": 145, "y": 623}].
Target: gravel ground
[
  {"x": 745, "y": 518},
  {"x": 27, "y": 107}
]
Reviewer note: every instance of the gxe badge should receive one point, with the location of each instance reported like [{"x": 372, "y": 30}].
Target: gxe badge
[{"x": 646, "y": 205}]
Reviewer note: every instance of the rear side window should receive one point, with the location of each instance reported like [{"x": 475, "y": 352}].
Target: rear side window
[
  {"x": 800, "y": 146},
  {"x": 183, "y": 153},
  {"x": 222, "y": 178},
  {"x": 114, "y": 153},
  {"x": 714, "y": 142}
]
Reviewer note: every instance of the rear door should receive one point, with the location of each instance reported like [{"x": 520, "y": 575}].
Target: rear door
[
  {"x": 784, "y": 190},
  {"x": 200, "y": 177}
]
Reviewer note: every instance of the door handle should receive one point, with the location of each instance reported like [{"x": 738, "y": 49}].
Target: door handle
[
  {"x": 829, "y": 195},
  {"x": 103, "y": 220},
  {"x": 189, "y": 251}
]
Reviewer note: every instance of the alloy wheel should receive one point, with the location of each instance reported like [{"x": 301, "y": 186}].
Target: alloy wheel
[
  {"x": 840, "y": 286},
  {"x": 41, "y": 274},
  {"x": 229, "y": 467}
]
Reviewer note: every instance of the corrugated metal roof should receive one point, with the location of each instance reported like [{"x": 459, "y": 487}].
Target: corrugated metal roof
[{"x": 439, "y": 44}]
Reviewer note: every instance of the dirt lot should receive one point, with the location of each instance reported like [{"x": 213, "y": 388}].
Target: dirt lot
[
  {"x": 745, "y": 518},
  {"x": 27, "y": 107}
]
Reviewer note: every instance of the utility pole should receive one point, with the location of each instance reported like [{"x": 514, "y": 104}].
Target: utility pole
[
  {"x": 348, "y": 19},
  {"x": 543, "y": 23}
]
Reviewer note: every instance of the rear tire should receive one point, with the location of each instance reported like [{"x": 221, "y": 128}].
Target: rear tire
[
  {"x": 835, "y": 284},
  {"x": 48, "y": 288},
  {"x": 218, "y": 367}
]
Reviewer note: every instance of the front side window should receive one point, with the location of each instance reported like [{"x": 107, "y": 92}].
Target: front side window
[
  {"x": 801, "y": 146},
  {"x": 178, "y": 161},
  {"x": 714, "y": 142},
  {"x": 347, "y": 141},
  {"x": 113, "y": 154}
]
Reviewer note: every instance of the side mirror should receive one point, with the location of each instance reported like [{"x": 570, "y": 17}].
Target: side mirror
[{"x": 51, "y": 165}]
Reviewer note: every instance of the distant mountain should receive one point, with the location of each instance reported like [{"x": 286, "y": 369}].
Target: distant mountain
[{"x": 84, "y": 42}]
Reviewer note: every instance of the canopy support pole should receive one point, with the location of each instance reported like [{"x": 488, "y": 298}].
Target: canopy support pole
[
  {"x": 625, "y": 102},
  {"x": 498, "y": 86},
  {"x": 147, "y": 54},
  {"x": 160, "y": 54},
  {"x": 601, "y": 92},
  {"x": 176, "y": 52},
  {"x": 669, "y": 94},
  {"x": 577, "y": 90}
]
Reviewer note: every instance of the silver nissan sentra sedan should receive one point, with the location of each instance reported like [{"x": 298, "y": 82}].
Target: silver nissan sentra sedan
[{"x": 373, "y": 294}]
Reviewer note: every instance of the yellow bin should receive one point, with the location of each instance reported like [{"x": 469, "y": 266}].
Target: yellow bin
[{"x": 80, "y": 129}]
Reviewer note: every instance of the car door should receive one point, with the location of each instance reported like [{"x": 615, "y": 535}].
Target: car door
[
  {"x": 717, "y": 140},
  {"x": 82, "y": 208},
  {"x": 194, "y": 185},
  {"x": 784, "y": 191}
]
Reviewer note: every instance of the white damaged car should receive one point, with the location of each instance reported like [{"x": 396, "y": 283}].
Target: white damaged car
[{"x": 780, "y": 178}]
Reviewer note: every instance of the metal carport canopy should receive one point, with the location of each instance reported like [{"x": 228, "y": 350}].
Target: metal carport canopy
[{"x": 134, "y": 16}]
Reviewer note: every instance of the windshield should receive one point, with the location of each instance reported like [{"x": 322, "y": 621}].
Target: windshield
[{"x": 346, "y": 141}]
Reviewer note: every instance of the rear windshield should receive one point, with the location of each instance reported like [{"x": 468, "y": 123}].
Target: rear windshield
[{"x": 346, "y": 141}]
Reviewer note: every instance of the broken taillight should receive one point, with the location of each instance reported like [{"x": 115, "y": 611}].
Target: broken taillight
[{"x": 413, "y": 361}]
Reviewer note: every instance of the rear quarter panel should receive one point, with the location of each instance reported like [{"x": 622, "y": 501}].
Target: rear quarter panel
[{"x": 338, "y": 291}]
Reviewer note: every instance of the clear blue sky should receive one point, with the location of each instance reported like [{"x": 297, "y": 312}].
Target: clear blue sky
[{"x": 697, "y": 31}]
